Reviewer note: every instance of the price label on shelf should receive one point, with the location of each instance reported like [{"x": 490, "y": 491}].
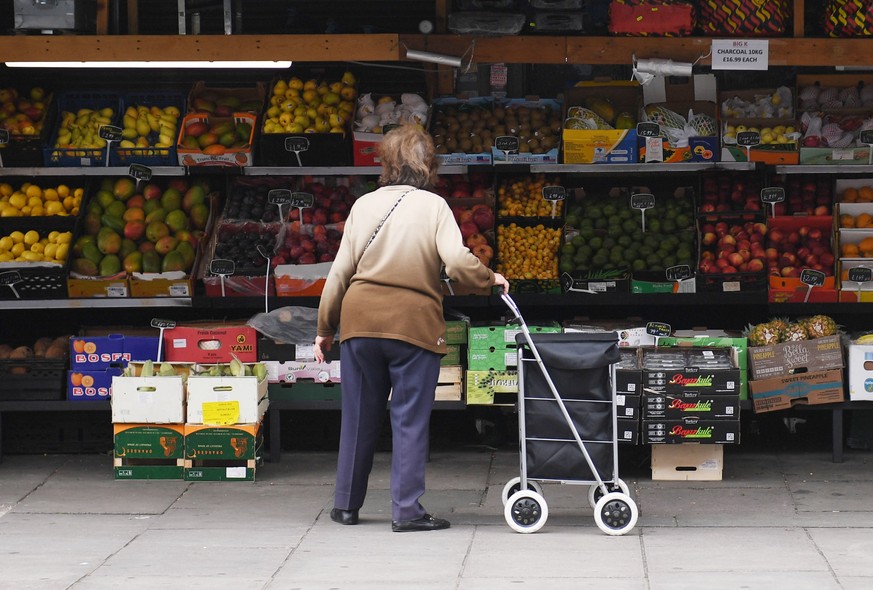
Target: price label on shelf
[
  {"x": 508, "y": 144},
  {"x": 296, "y": 143},
  {"x": 222, "y": 267},
  {"x": 866, "y": 136},
  {"x": 647, "y": 129},
  {"x": 748, "y": 138},
  {"x": 680, "y": 272},
  {"x": 554, "y": 193},
  {"x": 773, "y": 194},
  {"x": 4, "y": 136},
  {"x": 860, "y": 274},
  {"x": 658, "y": 329},
  {"x": 301, "y": 200},
  {"x": 813, "y": 278},
  {"x": 279, "y": 196},
  {"x": 162, "y": 324},
  {"x": 10, "y": 277},
  {"x": 140, "y": 172},
  {"x": 642, "y": 202},
  {"x": 109, "y": 133}
]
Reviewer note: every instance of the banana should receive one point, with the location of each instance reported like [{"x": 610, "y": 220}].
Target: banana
[
  {"x": 166, "y": 370},
  {"x": 148, "y": 369}
]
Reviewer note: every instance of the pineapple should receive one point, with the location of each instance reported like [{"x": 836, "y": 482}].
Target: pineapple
[
  {"x": 764, "y": 334},
  {"x": 796, "y": 331},
  {"x": 820, "y": 326}
]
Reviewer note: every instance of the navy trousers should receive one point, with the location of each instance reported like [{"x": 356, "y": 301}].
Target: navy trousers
[{"x": 371, "y": 367}]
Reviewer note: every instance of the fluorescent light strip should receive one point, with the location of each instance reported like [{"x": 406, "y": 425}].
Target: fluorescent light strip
[{"x": 150, "y": 64}]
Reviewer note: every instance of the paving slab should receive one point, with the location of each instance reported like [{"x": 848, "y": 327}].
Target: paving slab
[
  {"x": 832, "y": 496},
  {"x": 856, "y": 582},
  {"x": 733, "y": 580},
  {"x": 538, "y": 581},
  {"x": 104, "y": 580},
  {"x": 687, "y": 504},
  {"x": 741, "y": 550},
  {"x": 848, "y": 551},
  {"x": 857, "y": 466}
]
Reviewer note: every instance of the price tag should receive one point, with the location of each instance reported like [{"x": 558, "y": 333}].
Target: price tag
[
  {"x": 140, "y": 172},
  {"x": 771, "y": 196},
  {"x": 680, "y": 272},
  {"x": 554, "y": 194},
  {"x": 658, "y": 329},
  {"x": 812, "y": 279},
  {"x": 109, "y": 133},
  {"x": 297, "y": 144},
  {"x": 648, "y": 129},
  {"x": 223, "y": 268},
  {"x": 10, "y": 277},
  {"x": 860, "y": 274},
  {"x": 866, "y": 137},
  {"x": 161, "y": 324},
  {"x": 220, "y": 413},
  {"x": 508, "y": 144},
  {"x": 748, "y": 139},
  {"x": 279, "y": 196},
  {"x": 302, "y": 200},
  {"x": 643, "y": 201}
]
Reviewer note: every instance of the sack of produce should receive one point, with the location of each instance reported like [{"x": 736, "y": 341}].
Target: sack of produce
[
  {"x": 848, "y": 18},
  {"x": 667, "y": 18},
  {"x": 743, "y": 18}
]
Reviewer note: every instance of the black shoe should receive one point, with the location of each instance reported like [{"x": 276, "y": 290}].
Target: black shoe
[
  {"x": 344, "y": 516},
  {"x": 425, "y": 523}
]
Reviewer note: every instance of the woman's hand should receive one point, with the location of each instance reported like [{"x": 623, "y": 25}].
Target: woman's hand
[
  {"x": 322, "y": 345},
  {"x": 500, "y": 281}
]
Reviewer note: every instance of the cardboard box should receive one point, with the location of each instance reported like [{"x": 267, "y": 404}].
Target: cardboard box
[
  {"x": 246, "y": 394},
  {"x": 787, "y": 358},
  {"x": 627, "y": 406},
  {"x": 691, "y": 430},
  {"x": 861, "y": 372},
  {"x": 687, "y": 462},
  {"x": 114, "y": 350},
  {"x": 482, "y": 337},
  {"x": 146, "y": 451},
  {"x": 164, "y": 284},
  {"x": 87, "y": 385},
  {"x": 450, "y": 384},
  {"x": 301, "y": 280},
  {"x": 222, "y": 453},
  {"x": 702, "y": 380},
  {"x": 498, "y": 358},
  {"x": 148, "y": 400},
  {"x": 460, "y": 158},
  {"x": 641, "y": 285},
  {"x": 294, "y": 371},
  {"x": 782, "y": 393},
  {"x": 629, "y": 334},
  {"x": 452, "y": 356},
  {"x": 99, "y": 287},
  {"x": 305, "y": 391},
  {"x": 271, "y": 350},
  {"x": 628, "y": 431},
  {"x": 456, "y": 331},
  {"x": 251, "y": 97},
  {"x": 740, "y": 346},
  {"x": 491, "y": 387},
  {"x": 232, "y": 156},
  {"x": 673, "y": 406},
  {"x": 210, "y": 344},
  {"x": 683, "y": 95},
  {"x": 618, "y": 146},
  {"x": 549, "y": 157}
]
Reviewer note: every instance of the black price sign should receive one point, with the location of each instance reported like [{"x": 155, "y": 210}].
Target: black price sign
[
  {"x": 658, "y": 329},
  {"x": 748, "y": 138},
  {"x": 648, "y": 129},
  {"x": 859, "y": 274},
  {"x": 389, "y": 127},
  {"x": 10, "y": 277},
  {"x": 680, "y": 272},
  {"x": 140, "y": 172},
  {"x": 109, "y": 133},
  {"x": 506, "y": 143},
  {"x": 222, "y": 267},
  {"x": 296, "y": 144},
  {"x": 554, "y": 193},
  {"x": 161, "y": 324},
  {"x": 773, "y": 194},
  {"x": 279, "y": 196},
  {"x": 866, "y": 136},
  {"x": 813, "y": 278},
  {"x": 4, "y": 136},
  {"x": 302, "y": 200},
  {"x": 642, "y": 201}
]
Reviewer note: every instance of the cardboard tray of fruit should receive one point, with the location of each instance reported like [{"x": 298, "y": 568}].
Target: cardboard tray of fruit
[
  {"x": 238, "y": 242},
  {"x": 537, "y": 123},
  {"x": 29, "y": 117},
  {"x": 206, "y": 140},
  {"x": 76, "y": 140},
  {"x": 307, "y": 120},
  {"x": 225, "y": 101},
  {"x": 732, "y": 254},
  {"x": 44, "y": 276},
  {"x": 801, "y": 242},
  {"x": 150, "y": 124},
  {"x": 456, "y": 123}
]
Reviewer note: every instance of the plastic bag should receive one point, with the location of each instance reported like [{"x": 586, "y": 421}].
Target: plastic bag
[{"x": 291, "y": 325}]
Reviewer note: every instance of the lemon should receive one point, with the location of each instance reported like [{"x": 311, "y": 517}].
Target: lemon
[
  {"x": 54, "y": 208},
  {"x": 6, "y": 189},
  {"x": 69, "y": 203},
  {"x": 65, "y": 237},
  {"x": 37, "y": 211},
  {"x": 38, "y": 247},
  {"x": 10, "y": 212},
  {"x": 61, "y": 252},
  {"x": 63, "y": 190},
  {"x": 6, "y": 244},
  {"x": 18, "y": 200},
  {"x": 31, "y": 256},
  {"x": 50, "y": 194},
  {"x": 6, "y": 257},
  {"x": 53, "y": 236},
  {"x": 17, "y": 237},
  {"x": 17, "y": 249},
  {"x": 31, "y": 237},
  {"x": 78, "y": 193},
  {"x": 33, "y": 191},
  {"x": 50, "y": 251}
]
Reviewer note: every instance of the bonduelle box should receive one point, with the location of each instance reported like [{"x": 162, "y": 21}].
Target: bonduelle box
[
  {"x": 502, "y": 336},
  {"x": 294, "y": 371},
  {"x": 85, "y": 385},
  {"x": 782, "y": 393},
  {"x": 210, "y": 344},
  {"x": 498, "y": 358},
  {"x": 786, "y": 358},
  {"x": 149, "y": 400}
]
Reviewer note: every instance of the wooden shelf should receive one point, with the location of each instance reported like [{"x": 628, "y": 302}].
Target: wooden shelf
[{"x": 528, "y": 49}]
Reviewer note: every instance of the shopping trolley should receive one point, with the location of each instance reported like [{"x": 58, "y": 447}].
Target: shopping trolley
[{"x": 567, "y": 427}]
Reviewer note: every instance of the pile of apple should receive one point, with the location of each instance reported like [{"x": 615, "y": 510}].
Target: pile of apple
[
  {"x": 791, "y": 251},
  {"x": 469, "y": 198},
  {"x": 730, "y": 192},
  {"x": 736, "y": 246},
  {"x": 808, "y": 194},
  {"x": 20, "y": 113}
]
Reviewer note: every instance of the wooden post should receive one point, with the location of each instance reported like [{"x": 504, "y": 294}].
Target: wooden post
[
  {"x": 799, "y": 18},
  {"x": 445, "y": 76},
  {"x": 132, "y": 17},
  {"x": 102, "y": 17}
]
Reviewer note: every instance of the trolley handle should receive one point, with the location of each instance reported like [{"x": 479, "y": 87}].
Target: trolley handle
[{"x": 513, "y": 307}]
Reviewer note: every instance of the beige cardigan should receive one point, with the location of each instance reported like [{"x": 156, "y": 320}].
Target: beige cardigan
[{"x": 394, "y": 291}]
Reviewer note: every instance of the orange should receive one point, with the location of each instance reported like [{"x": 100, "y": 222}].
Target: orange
[
  {"x": 850, "y": 251},
  {"x": 864, "y": 220},
  {"x": 847, "y": 220},
  {"x": 865, "y": 194},
  {"x": 850, "y": 195},
  {"x": 866, "y": 246}
]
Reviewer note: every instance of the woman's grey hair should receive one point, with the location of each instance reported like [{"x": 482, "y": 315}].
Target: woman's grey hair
[{"x": 408, "y": 157}]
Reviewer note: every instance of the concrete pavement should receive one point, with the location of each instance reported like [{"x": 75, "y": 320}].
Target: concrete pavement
[{"x": 792, "y": 519}]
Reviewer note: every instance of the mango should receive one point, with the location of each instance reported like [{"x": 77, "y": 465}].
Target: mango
[
  {"x": 173, "y": 262},
  {"x": 114, "y": 223},
  {"x": 188, "y": 254},
  {"x": 158, "y": 214},
  {"x": 108, "y": 241},
  {"x": 91, "y": 253},
  {"x": 222, "y": 128},
  {"x": 115, "y": 209},
  {"x": 151, "y": 205},
  {"x": 177, "y": 220},
  {"x": 207, "y": 139},
  {"x": 227, "y": 139},
  {"x": 196, "y": 129},
  {"x": 124, "y": 188},
  {"x": 171, "y": 200},
  {"x": 80, "y": 244},
  {"x": 156, "y": 230},
  {"x": 193, "y": 196},
  {"x": 151, "y": 261},
  {"x": 105, "y": 197},
  {"x": 92, "y": 223},
  {"x": 133, "y": 262},
  {"x": 85, "y": 267},
  {"x": 166, "y": 245},
  {"x": 199, "y": 216},
  {"x": 244, "y": 130},
  {"x": 110, "y": 265},
  {"x": 215, "y": 149},
  {"x": 127, "y": 246},
  {"x": 134, "y": 230},
  {"x": 190, "y": 142}
]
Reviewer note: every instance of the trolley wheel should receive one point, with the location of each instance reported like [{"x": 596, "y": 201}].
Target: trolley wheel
[
  {"x": 616, "y": 513},
  {"x": 514, "y": 485},
  {"x": 526, "y": 511},
  {"x": 594, "y": 492}
]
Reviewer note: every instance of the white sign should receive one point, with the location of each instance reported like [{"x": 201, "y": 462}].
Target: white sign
[{"x": 740, "y": 54}]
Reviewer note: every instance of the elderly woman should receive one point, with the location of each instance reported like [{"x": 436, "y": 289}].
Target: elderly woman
[{"x": 383, "y": 294}]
